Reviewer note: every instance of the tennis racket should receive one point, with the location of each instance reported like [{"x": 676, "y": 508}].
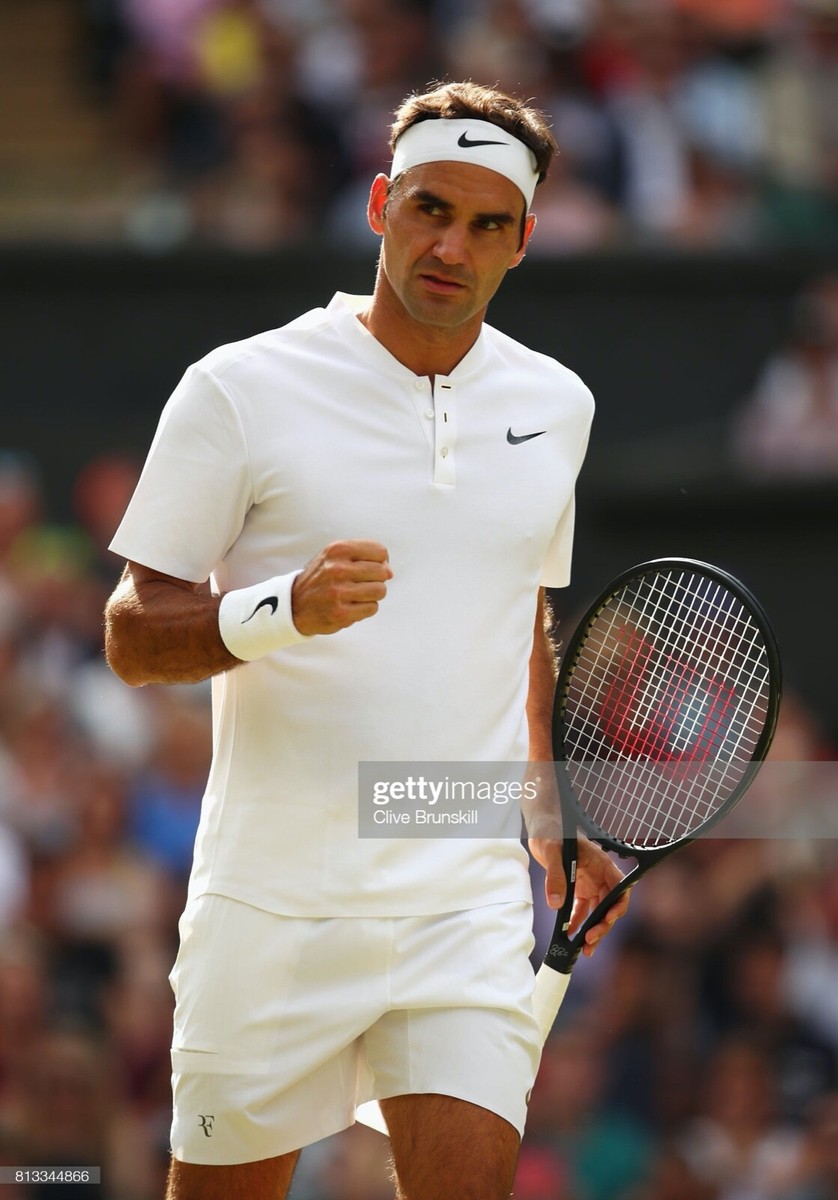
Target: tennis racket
[{"x": 665, "y": 707}]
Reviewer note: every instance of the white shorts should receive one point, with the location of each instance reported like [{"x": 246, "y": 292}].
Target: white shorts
[{"x": 283, "y": 1026}]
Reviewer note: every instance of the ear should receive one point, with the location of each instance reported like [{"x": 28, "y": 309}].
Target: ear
[
  {"x": 377, "y": 203},
  {"x": 529, "y": 226}
]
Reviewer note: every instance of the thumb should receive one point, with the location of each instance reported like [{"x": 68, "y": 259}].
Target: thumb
[{"x": 555, "y": 886}]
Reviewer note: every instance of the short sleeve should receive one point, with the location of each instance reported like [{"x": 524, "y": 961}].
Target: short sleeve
[
  {"x": 195, "y": 489},
  {"x": 556, "y": 569}
]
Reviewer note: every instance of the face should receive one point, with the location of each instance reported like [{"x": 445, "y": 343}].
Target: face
[{"x": 450, "y": 233}]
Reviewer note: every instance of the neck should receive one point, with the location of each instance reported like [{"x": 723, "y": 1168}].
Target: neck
[{"x": 423, "y": 348}]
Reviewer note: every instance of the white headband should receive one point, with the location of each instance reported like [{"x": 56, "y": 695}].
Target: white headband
[{"x": 470, "y": 141}]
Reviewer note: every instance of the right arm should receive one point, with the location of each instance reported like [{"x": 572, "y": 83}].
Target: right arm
[{"x": 159, "y": 629}]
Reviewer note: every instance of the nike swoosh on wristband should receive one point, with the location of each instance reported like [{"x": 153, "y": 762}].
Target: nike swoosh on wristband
[
  {"x": 466, "y": 142},
  {"x": 515, "y": 439},
  {"x": 273, "y": 601}
]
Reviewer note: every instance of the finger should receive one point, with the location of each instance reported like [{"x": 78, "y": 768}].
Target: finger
[
  {"x": 363, "y": 593},
  {"x": 355, "y": 602},
  {"x": 555, "y": 887},
  {"x": 547, "y": 852},
  {"x": 582, "y": 908},
  {"x": 353, "y": 613},
  {"x": 355, "y": 570},
  {"x": 358, "y": 549},
  {"x": 364, "y": 571},
  {"x": 595, "y": 935}
]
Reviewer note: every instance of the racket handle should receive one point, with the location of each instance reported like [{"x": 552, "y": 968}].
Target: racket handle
[{"x": 550, "y": 988}]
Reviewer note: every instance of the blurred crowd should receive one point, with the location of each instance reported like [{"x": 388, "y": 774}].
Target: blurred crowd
[
  {"x": 687, "y": 123},
  {"x": 696, "y": 1057},
  {"x": 100, "y": 789},
  {"x": 788, "y": 426}
]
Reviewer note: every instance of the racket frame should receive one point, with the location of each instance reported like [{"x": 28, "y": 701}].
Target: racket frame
[{"x": 564, "y": 949}]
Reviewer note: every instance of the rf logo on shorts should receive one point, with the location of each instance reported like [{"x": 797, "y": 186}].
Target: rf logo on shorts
[{"x": 206, "y": 1123}]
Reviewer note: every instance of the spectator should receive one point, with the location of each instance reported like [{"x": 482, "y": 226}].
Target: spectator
[
  {"x": 103, "y": 889},
  {"x": 673, "y": 1178},
  {"x": 100, "y": 492},
  {"x": 602, "y": 1152},
  {"x": 21, "y": 501},
  {"x": 736, "y": 1142},
  {"x": 137, "y": 1011},
  {"x": 788, "y": 427},
  {"x": 66, "y": 1117},
  {"x": 647, "y": 1023},
  {"x": 166, "y": 796},
  {"x": 541, "y": 1175},
  {"x": 752, "y": 972},
  {"x": 24, "y": 1004},
  {"x": 689, "y": 123},
  {"x": 643, "y": 105},
  {"x": 811, "y": 968},
  {"x": 817, "y": 1177},
  {"x": 800, "y": 97}
]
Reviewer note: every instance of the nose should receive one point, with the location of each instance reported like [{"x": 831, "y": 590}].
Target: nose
[{"x": 450, "y": 246}]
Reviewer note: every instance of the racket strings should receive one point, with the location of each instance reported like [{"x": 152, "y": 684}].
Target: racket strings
[
  {"x": 664, "y": 706},
  {"x": 670, "y": 815}
]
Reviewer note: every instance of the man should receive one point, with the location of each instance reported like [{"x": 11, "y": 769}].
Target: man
[{"x": 378, "y": 490}]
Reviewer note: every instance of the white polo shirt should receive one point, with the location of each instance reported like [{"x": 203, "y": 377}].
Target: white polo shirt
[{"x": 270, "y": 449}]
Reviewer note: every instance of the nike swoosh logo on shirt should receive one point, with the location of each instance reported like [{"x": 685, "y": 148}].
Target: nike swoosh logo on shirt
[
  {"x": 271, "y": 601},
  {"x": 515, "y": 439},
  {"x": 466, "y": 142}
]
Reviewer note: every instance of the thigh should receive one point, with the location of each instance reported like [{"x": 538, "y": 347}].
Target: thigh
[
  {"x": 269, "y": 1179},
  {"x": 444, "y": 1147}
]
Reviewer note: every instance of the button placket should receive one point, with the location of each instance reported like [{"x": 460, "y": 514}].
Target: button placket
[
  {"x": 422, "y": 397},
  {"x": 445, "y": 433}
]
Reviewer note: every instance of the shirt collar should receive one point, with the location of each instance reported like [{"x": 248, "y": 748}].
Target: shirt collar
[{"x": 345, "y": 309}]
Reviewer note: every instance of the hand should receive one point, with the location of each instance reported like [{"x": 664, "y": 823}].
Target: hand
[
  {"x": 342, "y": 584},
  {"x": 596, "y": 875}
]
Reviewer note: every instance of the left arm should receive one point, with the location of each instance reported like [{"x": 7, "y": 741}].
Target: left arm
[{"x": 596, "y": 873}]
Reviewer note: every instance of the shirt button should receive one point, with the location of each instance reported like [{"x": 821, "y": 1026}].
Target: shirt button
[
  {"x": 444, "y": 451},
  {"x": 419, "y": 384},
  {"x": 429, "y": 413}
]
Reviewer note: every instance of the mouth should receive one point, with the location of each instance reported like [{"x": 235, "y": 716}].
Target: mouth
[{"x": 441, "y": 285}]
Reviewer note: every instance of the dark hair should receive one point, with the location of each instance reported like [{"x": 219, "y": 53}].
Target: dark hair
[{"x": 455, "y": 101}]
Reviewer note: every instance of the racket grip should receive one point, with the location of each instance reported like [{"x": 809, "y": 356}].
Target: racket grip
[{"x": 550, "y": 988}]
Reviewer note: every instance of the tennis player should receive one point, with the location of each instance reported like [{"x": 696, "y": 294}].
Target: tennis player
[{"x": 377, "y": 494}]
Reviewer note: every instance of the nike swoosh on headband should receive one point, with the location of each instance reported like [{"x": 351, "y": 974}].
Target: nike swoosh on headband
[{"x": 466, "y": 142}]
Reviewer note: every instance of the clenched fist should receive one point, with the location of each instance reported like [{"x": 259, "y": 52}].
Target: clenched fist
[{"x": 342, "y": 584}]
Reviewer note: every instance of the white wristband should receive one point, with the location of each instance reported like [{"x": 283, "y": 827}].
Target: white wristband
[{"x": 254, "y": 621}]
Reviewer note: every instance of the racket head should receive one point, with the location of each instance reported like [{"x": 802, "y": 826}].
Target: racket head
[{"x": 666, "y": 704}]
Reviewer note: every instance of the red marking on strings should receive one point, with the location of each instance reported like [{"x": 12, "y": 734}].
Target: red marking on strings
[{"x": 662, "y": 708}]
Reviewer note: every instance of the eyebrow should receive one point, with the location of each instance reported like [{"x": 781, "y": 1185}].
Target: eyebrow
[{"x": 425, "y": 197}]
